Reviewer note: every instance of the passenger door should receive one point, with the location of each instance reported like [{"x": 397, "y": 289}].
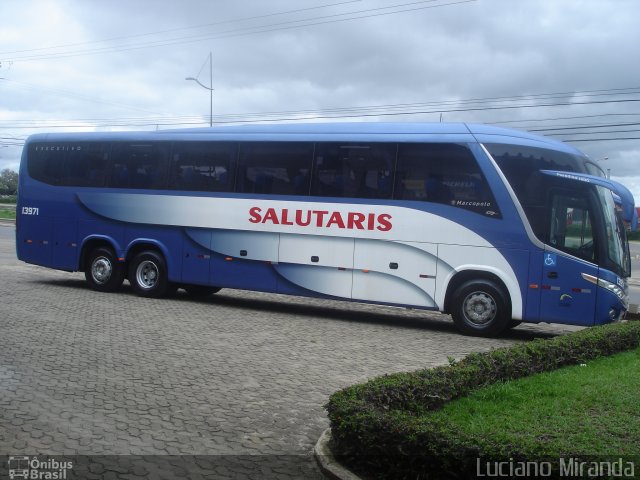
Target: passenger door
[{"x": 566, "y": 296}]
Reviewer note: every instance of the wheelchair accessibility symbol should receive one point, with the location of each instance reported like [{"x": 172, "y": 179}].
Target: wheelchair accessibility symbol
[{"x": 550, "y": 260}]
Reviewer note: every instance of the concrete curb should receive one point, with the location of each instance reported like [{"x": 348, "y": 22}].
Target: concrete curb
[
  {"x": 328, "y": 464},
  {"x": 7, "y": 223}
]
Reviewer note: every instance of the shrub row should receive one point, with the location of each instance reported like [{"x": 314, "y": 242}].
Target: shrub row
[{"x": 380, "y": 427}]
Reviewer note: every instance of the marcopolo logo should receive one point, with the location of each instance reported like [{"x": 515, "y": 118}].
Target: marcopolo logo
[{"x": 38, "y": 469}]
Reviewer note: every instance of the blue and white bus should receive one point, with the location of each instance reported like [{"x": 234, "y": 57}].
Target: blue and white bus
[{"x": 491, "y": 225}]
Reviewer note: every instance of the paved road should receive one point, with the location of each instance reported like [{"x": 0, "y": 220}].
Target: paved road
[{"x": 239, "y": 379}]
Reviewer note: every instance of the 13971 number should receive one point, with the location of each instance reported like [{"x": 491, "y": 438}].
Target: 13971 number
[{"x": 30, "y": 211}]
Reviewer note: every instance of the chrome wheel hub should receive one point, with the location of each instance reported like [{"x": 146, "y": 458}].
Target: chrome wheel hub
[
  {"x": 479, "y": 308},
  {"x": 147, "y": 274},
  {"x": 101, "y": 270}
]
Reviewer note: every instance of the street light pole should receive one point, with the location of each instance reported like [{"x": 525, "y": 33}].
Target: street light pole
[
  {"x": 210, "y": 88},
  {"x": 608, "y": 174}
]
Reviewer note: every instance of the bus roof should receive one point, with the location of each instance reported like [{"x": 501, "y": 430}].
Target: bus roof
[{"x": 360, "y": 131}]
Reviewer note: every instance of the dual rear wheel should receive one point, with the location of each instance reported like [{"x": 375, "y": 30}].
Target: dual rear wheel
[
  {"x": 104, "y": 272},
  {"x": 147, "y": 274}
]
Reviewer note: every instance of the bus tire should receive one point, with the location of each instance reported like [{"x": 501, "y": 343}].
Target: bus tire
[
  {"x": 513, "y": 324},
  {"x": 200, "y": 291},
  {"x": 103, "y": 272},
  {"x": 480, "y": 308},
  {"x": 148, "y": 275}
]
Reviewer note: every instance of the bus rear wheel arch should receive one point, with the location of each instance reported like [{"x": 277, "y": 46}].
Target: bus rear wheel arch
[
  {"x": 103, "y": 272},
  {"x": 480, "y": 307},
  {"x": 148, "y": 274}
]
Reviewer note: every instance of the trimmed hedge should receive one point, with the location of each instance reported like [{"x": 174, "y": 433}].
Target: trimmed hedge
[{"x": 380, "y": 427}]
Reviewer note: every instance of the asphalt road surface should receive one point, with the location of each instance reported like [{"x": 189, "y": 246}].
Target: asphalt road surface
[{"x": 228, "y": 387}]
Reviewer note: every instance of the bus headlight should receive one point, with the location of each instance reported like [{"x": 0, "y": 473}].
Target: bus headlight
[{"x": 612, "y": 287}]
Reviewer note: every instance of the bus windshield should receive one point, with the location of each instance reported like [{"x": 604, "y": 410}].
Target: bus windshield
[
  {"x": 616, "y": 244},
  {"x": 525, "y": 168}
]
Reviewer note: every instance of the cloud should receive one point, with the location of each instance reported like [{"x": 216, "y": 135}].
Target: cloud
[{"x": 311, "y": 58}]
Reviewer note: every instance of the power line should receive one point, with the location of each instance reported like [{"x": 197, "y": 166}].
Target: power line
[
  {"x": 574, "y": 117},
  {"x": 580, "y": 127},
  {"x": 192, "y": 27},
  {"x": 616, "y": 139},
  {"x": 592, "y": 97},
  {"x": 476, "y": 104},
  {"x": 280, "y": 26},
  {"x": 65, "y": 93}
]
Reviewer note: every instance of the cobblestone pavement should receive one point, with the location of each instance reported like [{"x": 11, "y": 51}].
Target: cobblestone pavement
[{"x": 238, "y": 380}]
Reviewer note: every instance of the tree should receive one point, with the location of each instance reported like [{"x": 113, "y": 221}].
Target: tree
[{"x": 8, "y": 182}]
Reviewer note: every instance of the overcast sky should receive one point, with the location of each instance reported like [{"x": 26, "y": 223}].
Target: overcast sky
[{"x": 566, "y": 68}]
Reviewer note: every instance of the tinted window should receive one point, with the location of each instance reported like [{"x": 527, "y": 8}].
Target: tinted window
[
  {"x": 274, "y": 168},
  {"x": 594, "y": 169},
  {"x": 521, "y": 166},
  {"x": 204, "y": 166},
  {"x": 45, "y": 162},
  {"x": 86, "y": 166},
  {"x": 79, "y": 164},
  {"x": 443, "y": 173},
  {"x": 142, "y": 165},
  {"x": 570, "y": 225},
  {"x": 362, "y": 170}
]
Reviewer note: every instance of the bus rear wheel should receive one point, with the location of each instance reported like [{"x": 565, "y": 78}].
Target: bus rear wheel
[
  {"x": 148, "y": 275},
  {"x": 103, "y": 272},
  {"x": 480, "y": 308}
]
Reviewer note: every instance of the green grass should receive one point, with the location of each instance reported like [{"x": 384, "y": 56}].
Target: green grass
[
  {"x": 8, "y": 213},
  {"x": 580, "y": 410}
]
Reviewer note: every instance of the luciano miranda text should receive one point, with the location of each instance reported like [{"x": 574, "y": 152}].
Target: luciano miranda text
[{"x": 567, "y": 467}]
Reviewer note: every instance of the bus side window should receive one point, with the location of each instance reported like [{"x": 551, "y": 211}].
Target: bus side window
[
  {"x": 141, "y": 166},
  {"x": 86, "y": 165},
  {"x": 44, "y": 163},
  {"x": 443, "y": 173},
  {"x": 570, "y": 228},
  {"x": 77, "y": 164},
  {"x": 362, "y": 170},
  {"x": 274, "y": 168},
  {"x": 203, "y": 166}
]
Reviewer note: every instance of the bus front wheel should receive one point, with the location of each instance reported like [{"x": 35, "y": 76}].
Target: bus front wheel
[
  {"x": 103, "y": 272},
  {"x": 148, "y": 275},
  {"x": 480, "y": 308}
]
